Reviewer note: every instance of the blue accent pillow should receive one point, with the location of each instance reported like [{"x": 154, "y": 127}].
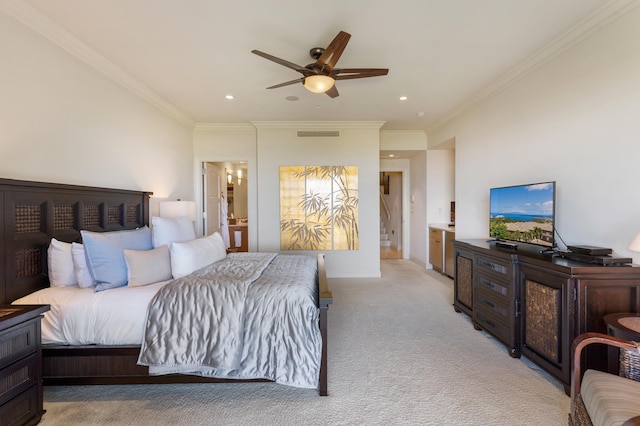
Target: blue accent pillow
[{"x": 105, "y": 254}]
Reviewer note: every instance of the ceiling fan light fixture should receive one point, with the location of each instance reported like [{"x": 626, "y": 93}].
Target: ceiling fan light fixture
[{"x": 318, "y": 83}]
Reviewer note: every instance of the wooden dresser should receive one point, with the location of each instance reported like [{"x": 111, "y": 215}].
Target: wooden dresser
[
  {"x": 537, "y": 304},
  {"x": 20, "y": 364}
]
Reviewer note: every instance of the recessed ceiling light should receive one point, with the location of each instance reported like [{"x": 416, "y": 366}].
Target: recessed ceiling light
[
  {"x": 229, "y": 97},
  {"x": 292, "y": 98},
  {"x": 403, "y": 98},
  {"x": 420, "y": 114},
  {"x": 391, "y": 155}
]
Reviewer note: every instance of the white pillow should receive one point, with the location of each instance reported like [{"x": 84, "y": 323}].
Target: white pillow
[
  {"x": 81, "y": 269},
  {"x": 60, "y": 264},
  {"x": 193, "y": 255},
  {"x": 167, "y": 230},
  {"x": 147, "y": 266}
]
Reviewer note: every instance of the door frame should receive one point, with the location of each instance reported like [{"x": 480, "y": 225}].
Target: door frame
[
  {"x": 252, "y": 190},
  {"x": 406, "y": 204}
]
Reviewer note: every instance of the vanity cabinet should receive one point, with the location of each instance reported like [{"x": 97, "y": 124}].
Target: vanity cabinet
[
  {"x": 436, "y": 258},
  {"x": 537, "y": 304},
  {"x": 239, "y": 238}
]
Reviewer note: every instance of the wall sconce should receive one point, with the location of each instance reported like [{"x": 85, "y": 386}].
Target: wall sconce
[
  {"x": 239, "y": 176},
  {"x": 229, "y": 179},
  {"x": 178, "y": 209}
]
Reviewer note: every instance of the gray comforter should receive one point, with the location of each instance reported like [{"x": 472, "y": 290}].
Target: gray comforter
[{"x": 248, "y": 316}]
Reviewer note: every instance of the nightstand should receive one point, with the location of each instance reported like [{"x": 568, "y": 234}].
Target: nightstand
[
  {"x": 625, "y": 326},
  {"x": 21, "y": 364}
]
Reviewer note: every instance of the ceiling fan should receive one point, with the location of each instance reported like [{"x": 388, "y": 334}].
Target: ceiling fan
[{"x": 320, "y": 76}]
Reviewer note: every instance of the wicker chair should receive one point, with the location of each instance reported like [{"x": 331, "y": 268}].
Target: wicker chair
[{"x": 603, "y": 391}]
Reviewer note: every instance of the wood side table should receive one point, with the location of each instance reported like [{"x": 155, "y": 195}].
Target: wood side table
[
  {"x": 625, "y": 326},
  {"x": 21, "y": 364}
]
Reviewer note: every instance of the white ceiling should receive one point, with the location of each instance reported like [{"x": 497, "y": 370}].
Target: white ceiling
[{"x": 441, "y": 54}]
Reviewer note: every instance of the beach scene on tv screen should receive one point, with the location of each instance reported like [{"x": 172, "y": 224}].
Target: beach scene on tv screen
[{"x": 523, "y": 213}]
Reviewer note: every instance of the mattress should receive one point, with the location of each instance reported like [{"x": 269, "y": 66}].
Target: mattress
[{"x": 81, "y": 316}]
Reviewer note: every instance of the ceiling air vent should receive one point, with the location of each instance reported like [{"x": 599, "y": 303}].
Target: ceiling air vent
[{"x": 318, "y": 133}]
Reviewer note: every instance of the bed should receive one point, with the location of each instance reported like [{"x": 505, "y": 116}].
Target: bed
[{"x": 33, "y": 213}]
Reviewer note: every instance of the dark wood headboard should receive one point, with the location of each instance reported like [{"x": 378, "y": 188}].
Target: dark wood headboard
[{"x": 35, "y": 212}]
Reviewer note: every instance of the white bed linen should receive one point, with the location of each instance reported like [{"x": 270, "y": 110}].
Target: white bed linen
[{"x": 80, "y": 316}]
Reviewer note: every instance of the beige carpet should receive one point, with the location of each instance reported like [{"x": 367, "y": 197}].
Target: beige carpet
[{"x": 398, "y": 355}]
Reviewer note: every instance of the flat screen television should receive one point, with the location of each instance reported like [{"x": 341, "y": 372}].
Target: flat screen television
[{"x": 524, "y": 214}]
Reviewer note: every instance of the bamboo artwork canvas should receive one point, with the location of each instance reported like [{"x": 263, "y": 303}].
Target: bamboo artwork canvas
[{"x": 319, "y": 208}]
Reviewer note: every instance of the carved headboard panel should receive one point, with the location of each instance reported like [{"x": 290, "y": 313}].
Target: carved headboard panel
[{"x": 35, "y": 212}]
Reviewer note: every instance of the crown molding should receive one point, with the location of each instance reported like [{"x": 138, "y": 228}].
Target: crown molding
[
  {"x": 420, "y": 133},
  {"x": 318, "y": 124},
  {"x": 56, "y": 34},
  {"x": 599, "y": 19},
  {"x": 242, "y": 127}
]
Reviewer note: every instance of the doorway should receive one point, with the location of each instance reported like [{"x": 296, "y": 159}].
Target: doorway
[
  {"x": 225, "y": 198},
  {"x": 391, "y": 215}
]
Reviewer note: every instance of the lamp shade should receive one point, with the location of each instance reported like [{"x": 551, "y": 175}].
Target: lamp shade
[
  {"x": 635, "y": 243},
  {"x": 318, "y": 83},
  {"x": 178, "y": 208}
]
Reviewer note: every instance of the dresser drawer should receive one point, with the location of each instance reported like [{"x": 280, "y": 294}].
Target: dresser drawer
[
  {"x": 23, "y": 409},
  {"x": 486, "y": 301},
  {"x": 18, "y": 341},
  {"x": 492, "y": 325},
  {"x": 490, "y": 264},
  {"x": 498, "y": 287},
  {"x": 18, "y": 377}
]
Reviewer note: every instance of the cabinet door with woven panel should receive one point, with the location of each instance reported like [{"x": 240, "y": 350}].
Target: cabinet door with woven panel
[
  {"x": 463, "y": 280},
  {"x": 545, "y": 319}
]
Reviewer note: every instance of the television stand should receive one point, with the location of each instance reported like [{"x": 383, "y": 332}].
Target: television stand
[
  {"x": 537, "y": 304},
  {"x": 504, "y": 244}
]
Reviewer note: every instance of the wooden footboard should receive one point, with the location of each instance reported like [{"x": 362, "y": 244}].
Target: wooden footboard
[
  {"x": 95, "y": 364},
  {"x": 324, "y": 300}
]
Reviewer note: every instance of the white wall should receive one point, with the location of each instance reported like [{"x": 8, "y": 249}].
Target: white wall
[
  {"x": 573, "y": 120},
  {"x": 415, "y": 181},
  {"x": 418, "y": 208},
  {"x": 440, "y": 184},
  {"x": 267, "y": 146},
  {"x": 358, "y": 145},
  {"x": 62, "y": 121}
]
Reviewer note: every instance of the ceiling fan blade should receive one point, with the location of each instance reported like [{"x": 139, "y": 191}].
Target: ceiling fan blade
[
  {"x": 287, "y": 64},
  {"x": 332, "y": 53},
  {"x": 333, "y": 92},
  {"x": 287, "y": 83},
  {"x": 351, "y": 73}
]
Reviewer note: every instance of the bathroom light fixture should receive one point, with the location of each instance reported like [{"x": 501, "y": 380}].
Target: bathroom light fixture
[{"x": 318, "y": 83}]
